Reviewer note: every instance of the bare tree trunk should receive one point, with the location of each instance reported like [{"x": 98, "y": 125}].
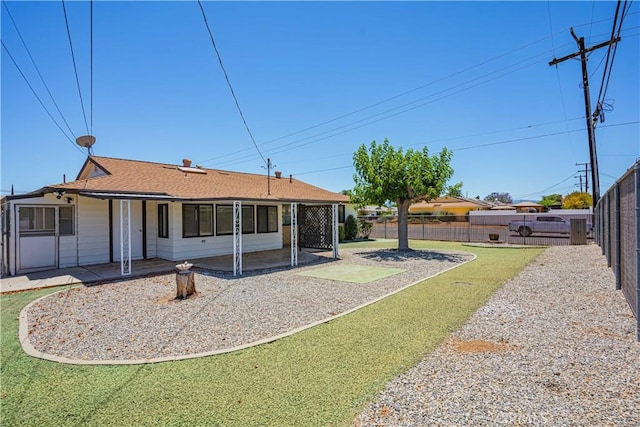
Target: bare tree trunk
[
  {"x": 403, "y": 225},
  {"x": 185, "y": 284}
]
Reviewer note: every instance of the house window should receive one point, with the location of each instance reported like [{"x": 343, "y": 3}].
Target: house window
[
  {"x": 286, "y": 214},
  {"x": 37, "y": 221},
  {"x": 341, "y": 218},
  {"x": 267, "y": 219},
  {"x": 224, "y": 220},
  {"x": 163, "y": 220},
  {"x": 65, "y": 221},
  {"x": 197, "y": 220}
]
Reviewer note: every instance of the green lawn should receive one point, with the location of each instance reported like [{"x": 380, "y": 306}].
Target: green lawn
[{"x": 318, "y": 377}]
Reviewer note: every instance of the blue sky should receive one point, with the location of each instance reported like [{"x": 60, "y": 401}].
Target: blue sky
[{"x": 315, "y": 80}]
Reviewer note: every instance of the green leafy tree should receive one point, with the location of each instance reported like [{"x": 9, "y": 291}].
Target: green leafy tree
[
  {"x": 499, "y": 197},
  {"x": 386, "y": 173},
  {"x": 552, "y": 200},
  {"x": 455, "y": 190},
  {"x": 577, "y": 200}
]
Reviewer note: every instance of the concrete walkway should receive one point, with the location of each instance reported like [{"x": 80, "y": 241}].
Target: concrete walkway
[{"x": 104, "y": 272}]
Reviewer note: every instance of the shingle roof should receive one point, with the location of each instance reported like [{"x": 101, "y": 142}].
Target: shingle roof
[
  {"x": 451, "y": 201},
  {"x": 110, "y": 175}
]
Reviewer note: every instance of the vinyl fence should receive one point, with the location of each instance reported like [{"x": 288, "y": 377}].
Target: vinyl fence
[{"x": 617, "y": 224}]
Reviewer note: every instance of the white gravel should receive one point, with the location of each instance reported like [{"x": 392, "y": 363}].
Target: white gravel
[
  {"x": 140, "y": 319},
  {"x": 555, "y": 346}
]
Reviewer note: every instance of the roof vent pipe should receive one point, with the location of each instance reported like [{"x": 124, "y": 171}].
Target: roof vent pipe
[
  {"x": 290, "y": 178},
  {"x": 186, "y": 163},
  {"x": 278, "y": 174}
]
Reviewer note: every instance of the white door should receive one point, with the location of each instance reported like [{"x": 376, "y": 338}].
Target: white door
[
  {"x": 136, "y": 229},
  {"x": 37, "y": 238}
]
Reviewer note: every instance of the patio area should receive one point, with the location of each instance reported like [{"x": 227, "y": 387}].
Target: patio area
[{"x": 111, "y": 271}]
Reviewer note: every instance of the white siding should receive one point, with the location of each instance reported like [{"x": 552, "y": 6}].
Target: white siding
[
  {"x": 152, "y": 229},
  {"x": 93, "y": 231},
  {"x": 67, "y": 251},
  {"x": 350, "y": 209}
]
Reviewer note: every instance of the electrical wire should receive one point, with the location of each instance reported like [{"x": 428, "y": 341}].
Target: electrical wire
[
  {"x": 36, "y": 67},
  {"x": 300, "y": 143},
  {"x": 37, "y": 97},
  {"x": 562, "y": 101},
  {"x": 75, "y": 68},
  {"x": 215, "y": 48},
  {"x": 387, "y": 100},
  {"x": 508, "y": 141},
  {"x": 606, "y": 64}
]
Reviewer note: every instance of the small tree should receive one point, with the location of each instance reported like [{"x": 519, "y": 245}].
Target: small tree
[
  {"x": 455, "y": 190},
  {"x": 552, "y": 200},
  {"x": 499, "y": 197},
  {"x": 577, "y": 200},
  {"x": 365, "y": 229},
  {"x": 350, "y": 228},
  {"x": 385, "y": 173}
]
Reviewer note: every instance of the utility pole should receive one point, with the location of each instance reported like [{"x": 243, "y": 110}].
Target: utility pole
[
  {"x": 580, "y": 177},
  {"x": 582, "y": 52},
  {"x": 586, "y": 176},
  {"x": 268, "y": 168}
]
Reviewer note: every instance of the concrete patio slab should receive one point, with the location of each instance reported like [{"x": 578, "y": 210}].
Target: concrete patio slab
[{"x": 112, "y": 271}]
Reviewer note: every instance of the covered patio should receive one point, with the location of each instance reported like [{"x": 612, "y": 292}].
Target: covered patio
[{"x": 252, "y": 261}]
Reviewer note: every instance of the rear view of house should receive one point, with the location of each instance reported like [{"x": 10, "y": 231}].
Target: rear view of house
[{"x": 119, "y": 210}]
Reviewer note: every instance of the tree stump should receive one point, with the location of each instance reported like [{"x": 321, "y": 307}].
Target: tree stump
[{"x": 185, "y": 284}]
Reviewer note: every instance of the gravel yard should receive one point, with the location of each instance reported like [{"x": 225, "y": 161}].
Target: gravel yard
[
  {"x": 555, "y": 346},
  {"x": 140, "y": 319}
]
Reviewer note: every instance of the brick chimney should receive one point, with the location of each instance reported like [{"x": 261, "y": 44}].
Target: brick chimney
[
  {"x": 278, "y": 174},
  {"x": 186, "y": 163}
]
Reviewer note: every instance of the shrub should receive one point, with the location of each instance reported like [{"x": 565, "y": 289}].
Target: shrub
[
  {"x": 340, "y": 233},
  {"x": 350, "y": 228},
  {"x": 365, "y": 229}
]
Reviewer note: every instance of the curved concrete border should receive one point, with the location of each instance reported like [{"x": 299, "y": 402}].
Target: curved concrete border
[{"x": 23, "y": 334}]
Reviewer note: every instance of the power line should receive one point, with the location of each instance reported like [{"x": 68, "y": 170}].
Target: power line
[
  {"x": 604, "y": 86},
  {"x": 609, "y": 50},
  {"x": 36, "y": 67},
  {"x": 547, "y": 189},
  {"x": 215, "y": 48},
  {"x": 37, "y": 97},
  {"x": 391, "y": 109},
  {"x": 300, "y": 143},
  {"x": 508, "y": 141},
  {"x": 75, "y": 68}
]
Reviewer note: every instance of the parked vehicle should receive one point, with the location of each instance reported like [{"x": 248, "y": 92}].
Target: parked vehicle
[{"x": 542, "y": 224}]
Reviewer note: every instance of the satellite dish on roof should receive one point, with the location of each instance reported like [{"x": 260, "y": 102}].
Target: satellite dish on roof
[{"x": 86, "y": 141}]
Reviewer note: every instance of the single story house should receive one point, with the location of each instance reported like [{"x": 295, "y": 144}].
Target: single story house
[
  {"x": 119, "y": 210},
  {"x": 371, "y": 211},
  {"x": 449, "y": 205},
  {"x": 529, "y": 207}
]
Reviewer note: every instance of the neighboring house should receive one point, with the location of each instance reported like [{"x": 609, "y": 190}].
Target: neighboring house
[
  {"x": 372, "y": 211},
  {"x": 123, "y": 210},
  {"x": 449, "y": 205},
  {"x": 529, "y": 207}
]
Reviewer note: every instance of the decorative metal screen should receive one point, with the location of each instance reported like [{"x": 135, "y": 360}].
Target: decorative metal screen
[
  {"x": 294, "y": 234},
  {"x": 315, "y": 226},
  {"x": 125, "y": 237},
  {"x": 237, "y": 238}
]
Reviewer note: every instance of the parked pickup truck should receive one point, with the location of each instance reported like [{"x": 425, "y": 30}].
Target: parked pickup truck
[{"x": 542, "y": 224}]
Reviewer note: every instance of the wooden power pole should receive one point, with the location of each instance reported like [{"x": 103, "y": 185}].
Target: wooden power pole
[{"x": 582, "y": 52}]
